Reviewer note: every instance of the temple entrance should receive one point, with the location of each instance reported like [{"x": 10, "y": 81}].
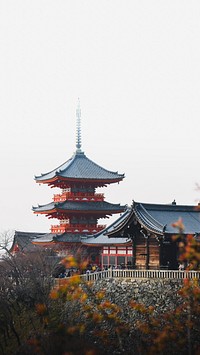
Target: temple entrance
[{"x": 169, "y": 258}]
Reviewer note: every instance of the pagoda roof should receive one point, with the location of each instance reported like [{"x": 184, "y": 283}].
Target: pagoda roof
[
  {"x": 69, "y": 238},
  {"x": 79, "y": 167},
  {"x": 46, "y": 238},
  {"x": 159, "y": 218},
  {"x": 101, "y": 238},
  {"x": 58, "y": 238},
  {"x": 23, "y": 241},
  {"x": 81, "y": 207}
]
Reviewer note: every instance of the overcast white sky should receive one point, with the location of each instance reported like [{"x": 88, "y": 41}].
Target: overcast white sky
[{"x": 135, "y": 66}]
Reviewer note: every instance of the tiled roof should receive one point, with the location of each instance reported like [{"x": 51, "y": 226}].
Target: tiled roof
[
  {"x": 81, "y": 206},
  {"x": 64, "y": 237},
  {"x": 68, "y": 238},
  {"x": 23, "y": 240},
  {"x": 46, "y": 238},
  {"x": 158, "y": 218},
  {"x": 101, "y": 238},
  {"x": 80, "y": 167}
]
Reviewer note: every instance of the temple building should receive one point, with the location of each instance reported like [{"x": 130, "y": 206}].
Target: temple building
[{"x": 144, "y": 237}]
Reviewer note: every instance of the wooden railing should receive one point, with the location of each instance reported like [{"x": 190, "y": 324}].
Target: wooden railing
[
  {"x": 142, "y": 274},
  {"x": 77, "y": 228},
  {"x": 80, "y": 196}
]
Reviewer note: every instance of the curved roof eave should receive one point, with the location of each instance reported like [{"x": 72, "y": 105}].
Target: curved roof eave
[
  {"x": 105, "y": 241},
  {"x": 156, "y": 228},
  {"x": 80, "y": 167},
  {"x": 42, "y": 208},
  {"x": 71, "y": 206},
  {"x": 101, "y": 237},
  {"x": 159, "y": 218},
  {"x": 122, "y": 223},
  {"x": 52, "y": 173},
  {"x": 146, "y": 220}
]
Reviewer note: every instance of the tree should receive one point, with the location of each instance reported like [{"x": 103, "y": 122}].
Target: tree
[
  {"x": 26, "y": 281},
  {"x": 6, "y": 239},
  {"x": 70, "y": 316}
]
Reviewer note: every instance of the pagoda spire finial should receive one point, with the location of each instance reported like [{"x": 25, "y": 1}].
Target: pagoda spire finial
[{"x": 78, "y": 127}]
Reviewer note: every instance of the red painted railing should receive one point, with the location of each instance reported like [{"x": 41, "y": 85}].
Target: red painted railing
[
  {"x": 81, "y": 196},
  {"x": 77, "y": 228}
]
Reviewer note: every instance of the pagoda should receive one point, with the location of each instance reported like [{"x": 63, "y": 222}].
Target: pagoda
[{"x": 77, "y": 207}]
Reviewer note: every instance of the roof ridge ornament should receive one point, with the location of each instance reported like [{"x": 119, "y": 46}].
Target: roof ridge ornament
[{"x": 78, "y": 127}]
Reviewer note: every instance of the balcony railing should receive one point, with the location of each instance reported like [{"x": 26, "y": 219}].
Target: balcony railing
[
  {"x": 81, "y": 196},
  {"x": 77, "y": 228},
  {"x": 134, "y": 274},
  {"x": 142, "y": 274}
]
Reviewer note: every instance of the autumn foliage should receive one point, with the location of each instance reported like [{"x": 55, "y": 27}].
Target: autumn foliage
[{"x": 76, "y": 319}]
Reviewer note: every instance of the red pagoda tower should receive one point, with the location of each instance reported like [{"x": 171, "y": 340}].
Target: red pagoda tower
[{"x": 78, "y": 207}]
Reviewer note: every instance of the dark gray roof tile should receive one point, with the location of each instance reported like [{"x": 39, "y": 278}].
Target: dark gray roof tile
[
  {"x": 64, "y": 237},
  {"x": 163, "y": 216},
  {"x": 80, "y": 167},
  {"x": 81, "y": 206},
  {"x": 158, "y": 218},
  {"x": 101, "y": 237},
  {"x": 23, "y": 240}
]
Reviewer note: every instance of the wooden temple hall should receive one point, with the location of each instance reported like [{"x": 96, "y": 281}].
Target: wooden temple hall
[
  {"x": 140, "y": 237},
  {"x": 143, "y": 237}
]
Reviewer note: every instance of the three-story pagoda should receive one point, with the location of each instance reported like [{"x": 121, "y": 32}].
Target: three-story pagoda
[{"x": 78, "y": 207}]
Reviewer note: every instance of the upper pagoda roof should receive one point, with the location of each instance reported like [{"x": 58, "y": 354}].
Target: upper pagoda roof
[
  {"x": 78, "y": 168},
  {"x": 159, "y": 218}
]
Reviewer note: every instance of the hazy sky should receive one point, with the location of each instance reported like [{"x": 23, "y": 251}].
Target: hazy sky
[{"x": 135, "y": 66}]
